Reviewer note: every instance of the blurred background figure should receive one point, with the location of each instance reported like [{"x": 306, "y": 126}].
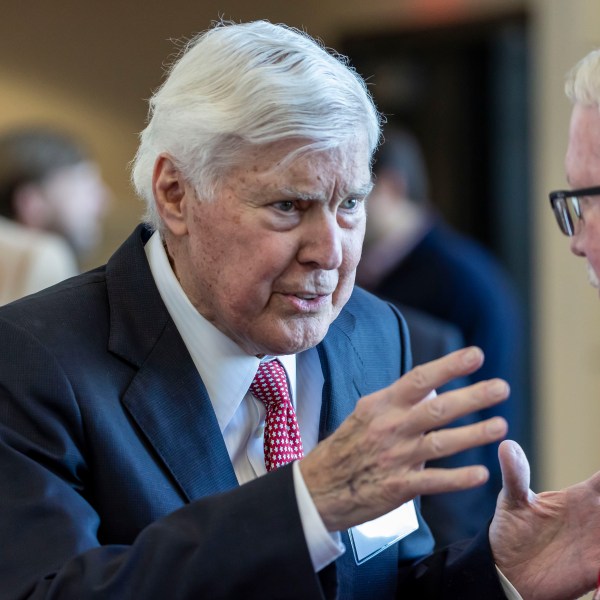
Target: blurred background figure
[
  {"x": 52, "y": 201},
  {"x": 411, "y": 257}
]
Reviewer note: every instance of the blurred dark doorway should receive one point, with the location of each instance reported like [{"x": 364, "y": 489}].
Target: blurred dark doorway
[{"x": 463, "y": 90}]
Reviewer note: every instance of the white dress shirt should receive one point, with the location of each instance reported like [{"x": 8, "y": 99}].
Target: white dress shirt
[{"x": 227, "y": 372}]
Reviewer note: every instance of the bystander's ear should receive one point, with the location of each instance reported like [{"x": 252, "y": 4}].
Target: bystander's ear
[
  {"x": 172, "y": 194},
  {"x": 30, "y": 206}
]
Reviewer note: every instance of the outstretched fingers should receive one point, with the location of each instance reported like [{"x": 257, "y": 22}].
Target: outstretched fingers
[
  {"x": 436, "y": 411},
  {"x": 439, "y": 481},
  {"x": 423, "y": 379},
  {"x": 446, "y": 442}
]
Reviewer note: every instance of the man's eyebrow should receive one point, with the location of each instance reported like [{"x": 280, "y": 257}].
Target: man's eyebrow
[
  {"x": 362, "y": 191},
  {"x": 300, "y": 195}
]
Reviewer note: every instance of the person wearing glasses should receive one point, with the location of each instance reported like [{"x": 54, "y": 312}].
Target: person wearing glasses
[{"x": 577, "y": 210}]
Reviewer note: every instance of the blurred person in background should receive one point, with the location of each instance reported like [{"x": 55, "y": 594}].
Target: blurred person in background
[
  {"x": 52, "y": 200},
  {"x": 412, "y": 257}
]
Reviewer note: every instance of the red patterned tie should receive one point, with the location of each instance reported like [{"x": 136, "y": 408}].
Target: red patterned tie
[{"x": 282, "y": 437}]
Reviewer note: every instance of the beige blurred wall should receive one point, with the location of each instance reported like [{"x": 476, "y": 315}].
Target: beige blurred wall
[{"x": 89, "y": 66}]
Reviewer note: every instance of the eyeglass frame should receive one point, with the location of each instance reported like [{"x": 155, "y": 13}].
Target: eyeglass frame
[{"x": 558, "y": 200}]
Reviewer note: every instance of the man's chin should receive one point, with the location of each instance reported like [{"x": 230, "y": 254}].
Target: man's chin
[{"x": 290, "y": 342}]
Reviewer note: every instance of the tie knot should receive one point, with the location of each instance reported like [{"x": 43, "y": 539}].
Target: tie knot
[{"x": 270, "y": 384}]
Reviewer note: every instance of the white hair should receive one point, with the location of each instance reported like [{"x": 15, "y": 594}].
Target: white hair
[
  {"x": 582, "y": 85},
  {"x": 245, "y": 84}
]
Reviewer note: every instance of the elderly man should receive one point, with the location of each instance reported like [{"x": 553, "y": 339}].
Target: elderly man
[{"x": 148, "y": 409}]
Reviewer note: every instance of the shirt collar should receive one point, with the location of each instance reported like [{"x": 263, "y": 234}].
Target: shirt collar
[{"x": 226, "y": 370}]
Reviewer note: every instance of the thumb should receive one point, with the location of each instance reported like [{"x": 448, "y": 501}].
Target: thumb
[{"x": 515, "y": 472}]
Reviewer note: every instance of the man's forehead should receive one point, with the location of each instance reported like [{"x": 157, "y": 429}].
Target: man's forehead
[
  {"x": 582, "y": 159},
  {"x": 304, "y": 171},
  {"x": 584, "y": 127}
]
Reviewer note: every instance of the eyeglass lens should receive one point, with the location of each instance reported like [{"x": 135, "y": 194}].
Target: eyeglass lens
[{"x": 567, "y": 213}]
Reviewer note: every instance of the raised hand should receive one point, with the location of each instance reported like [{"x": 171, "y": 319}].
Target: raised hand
[
  {"x": 374, "y": 461},
  {"x": 548, "y": 544}
]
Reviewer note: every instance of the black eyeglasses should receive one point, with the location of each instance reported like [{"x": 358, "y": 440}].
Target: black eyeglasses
[{"x": 566, "y": 205}]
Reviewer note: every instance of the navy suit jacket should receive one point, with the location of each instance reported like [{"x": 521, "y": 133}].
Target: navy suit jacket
[{"x": 115, "y": 481}]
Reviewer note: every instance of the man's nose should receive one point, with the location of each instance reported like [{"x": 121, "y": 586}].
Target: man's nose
[
  {"x": 577, "y": 242},
  {"x": 322, "y": 244}
]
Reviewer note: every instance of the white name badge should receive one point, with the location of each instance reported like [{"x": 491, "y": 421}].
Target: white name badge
[{"x": 372, "y": 537}]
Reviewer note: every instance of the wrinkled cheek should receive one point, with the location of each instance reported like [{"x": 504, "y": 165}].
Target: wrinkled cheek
[
  {"x": 352, "y": 258},
  {"x": 341, "y": 296}
]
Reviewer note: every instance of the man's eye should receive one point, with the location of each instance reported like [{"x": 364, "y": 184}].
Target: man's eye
[
  {"x": 350, "y": 204},
  {"x": 284, "y": 205}
]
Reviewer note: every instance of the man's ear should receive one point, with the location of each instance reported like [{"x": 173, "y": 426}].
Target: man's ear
[{"x": 172, "y": 194}]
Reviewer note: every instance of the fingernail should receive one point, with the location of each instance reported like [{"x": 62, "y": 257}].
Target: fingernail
[
  {"x": 496, "y": 426},
  {"x": 481, "y": 475},
  {"x": 471, "y": 356},
  {"x": 497, "y": 389}
]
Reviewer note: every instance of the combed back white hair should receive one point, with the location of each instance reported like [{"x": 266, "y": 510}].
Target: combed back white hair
[
  {"x": 583, "y": 80},
  {"x": 245, "y": 84}
]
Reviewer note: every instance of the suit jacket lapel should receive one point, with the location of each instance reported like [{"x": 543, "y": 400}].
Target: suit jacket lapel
[
  {"x": 343, "y": 372},
  {"x": 166, "y": 398}
]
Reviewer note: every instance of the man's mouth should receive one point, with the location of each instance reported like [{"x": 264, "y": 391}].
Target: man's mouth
[{"x": 308, "y": 302}]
